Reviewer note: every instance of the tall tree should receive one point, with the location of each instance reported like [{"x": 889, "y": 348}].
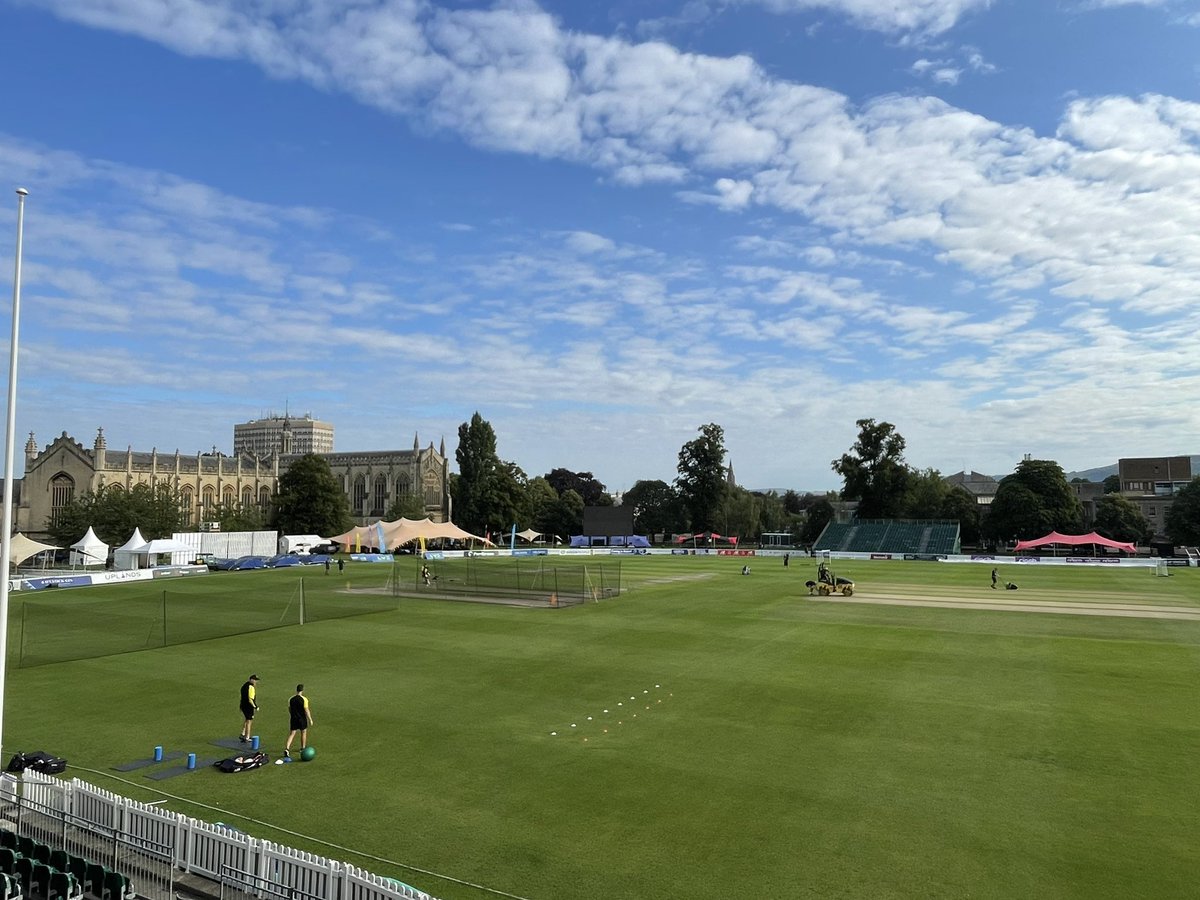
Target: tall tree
[
  {"x": 701, "y": 482},
  {"x": 960, "y": 505},
  {"x": 1121, "y": 519},
  {"x": 655, "y": 505},
  {"x": 1183, "y": 518},
  {"x": 585, "y": 484},
  {"x": 309, "y": 500},
  {"x": 820, "y": 514},
  {"x": 477, "y": 463},
  {"x": 114, "y": 513},
  {"x": 566, "y": 516},
  {"x": 873, "y": 471},
  {"x": 1033, "y": 500},
  {"x": 540, "y": 502},
  {"x": 1112, "y": 484}
]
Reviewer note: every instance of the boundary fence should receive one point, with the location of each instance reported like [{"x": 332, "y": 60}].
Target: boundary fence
[{"x": 152, "y": 846}]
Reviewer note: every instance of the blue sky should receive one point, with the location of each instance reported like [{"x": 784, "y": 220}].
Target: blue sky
[{"x": 604, "y": 225}]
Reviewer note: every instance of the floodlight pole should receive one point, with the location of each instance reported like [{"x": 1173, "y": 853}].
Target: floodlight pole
[{"x": 10, "y": 430}]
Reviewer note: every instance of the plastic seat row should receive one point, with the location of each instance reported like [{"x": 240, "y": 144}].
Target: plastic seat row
[{"x": 47, "y": 874}]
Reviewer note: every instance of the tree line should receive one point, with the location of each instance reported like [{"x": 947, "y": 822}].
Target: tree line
[{"x": 490, "y": 494}]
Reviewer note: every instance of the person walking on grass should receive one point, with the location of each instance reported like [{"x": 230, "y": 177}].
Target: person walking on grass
[
  {"x": 995, "y": 578},
  {"x": 249, "y": 704},
  {"x": 301, "y": 721}
]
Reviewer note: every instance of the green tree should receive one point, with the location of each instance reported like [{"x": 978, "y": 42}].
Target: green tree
[
  {"x": 235, "y": 517},
  {"x": 540, "y": 499},
  {"x": 959, "y": 505},
  {"x": 477, "y": 464},
  {"x": 1183, "y": 518},
  {"x": 1120, "y": 519},
  {"x": 873, "y": 471},
  {"x": 565, "y": 517},
  {"x": 584, "y": 484},
  {"x": 406, "y": 506},
  {"x": 701, "y": 482},
  {"x": 114, "y": 513},
  {"x": 819, "y": 514},
  {"x": 656, "y": 508},
  {"x": 309, "y": 500},
  {"x": 925, "y": 495},
  {"x": 1112, "y": 484},
  {"x": 1032, "y": 501}
]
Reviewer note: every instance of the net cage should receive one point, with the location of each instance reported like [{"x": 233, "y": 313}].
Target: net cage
[
  {"x": 137, "y": 616},
  {"x": 535, "y": 582}
]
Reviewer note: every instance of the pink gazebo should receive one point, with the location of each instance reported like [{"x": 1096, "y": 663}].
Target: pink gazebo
[{"x": 1074, "y": 540}]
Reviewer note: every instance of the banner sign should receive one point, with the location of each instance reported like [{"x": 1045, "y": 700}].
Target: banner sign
[
  {"x": 372, "y": 557},
  {"x": 538, "y": 552},
  {"x": 1093, "y": 560},
  {"x": 434, "y": 554},
  {"x": 931, "y": 557},
  {"x": 735, "y": 553},
  {"x": 36, "y": 584},
  {"x": 881, "y": 556}
]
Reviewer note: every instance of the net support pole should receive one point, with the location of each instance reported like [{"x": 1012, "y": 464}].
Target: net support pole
[{"x": 301, "y": 600}]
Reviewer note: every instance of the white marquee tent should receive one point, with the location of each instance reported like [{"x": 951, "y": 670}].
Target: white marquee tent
[
  {"x": 89, "y": 550},
  {"x": 125, "y": 556}
]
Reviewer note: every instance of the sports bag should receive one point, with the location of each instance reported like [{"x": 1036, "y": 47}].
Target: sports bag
[
  {"x": 241, "y": 762},
  {"x": 38, "y": 761}
]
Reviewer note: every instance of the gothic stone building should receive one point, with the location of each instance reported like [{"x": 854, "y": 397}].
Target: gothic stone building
[{"x": 65, "y": 469}]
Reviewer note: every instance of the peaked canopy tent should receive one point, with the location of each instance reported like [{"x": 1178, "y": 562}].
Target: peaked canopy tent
[
  {"x": 89, "y": 550},
  {"x": 20, "y": 548},
  {"x": 125, "y": 556},
  {"x": 1074, "y": 540},
  {"x": 384, "y": 536}
]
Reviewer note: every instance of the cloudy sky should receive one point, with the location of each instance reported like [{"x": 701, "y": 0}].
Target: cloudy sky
[{"x": 605, "y": 224}]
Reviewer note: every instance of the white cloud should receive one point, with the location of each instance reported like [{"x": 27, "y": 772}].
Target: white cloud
[{"x": 929, "y": 16}]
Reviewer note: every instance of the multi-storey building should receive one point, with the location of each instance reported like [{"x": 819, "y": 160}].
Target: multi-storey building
[
  {"x": 1151, "y": 483},
  {"x": 283, "y": 435}
]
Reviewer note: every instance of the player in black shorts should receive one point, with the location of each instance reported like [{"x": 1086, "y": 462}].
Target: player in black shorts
[
  {"x": 301, "y": 720},
  {"x": 249, "y": 705}
]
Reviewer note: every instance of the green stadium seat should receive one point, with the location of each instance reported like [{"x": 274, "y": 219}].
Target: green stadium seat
[
  {"x": 11, "y": 887},
  {"x": 24, "y": 872},
  {"x": 8, "y": 839},
  {"x": 39, "y": 880},
  {"x": 41, "y": 853},
  {"x": 25, "y": 846},
  {"x": 63, "y": 886},
  {"x": 8, "y": 860},
  {"x": 60, "y": 860},
  {"x": 117, "y": 887},
  {"x": 94, "y": 877}
]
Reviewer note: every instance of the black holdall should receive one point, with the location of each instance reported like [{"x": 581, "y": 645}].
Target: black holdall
[{"x": 38, "y": 761}]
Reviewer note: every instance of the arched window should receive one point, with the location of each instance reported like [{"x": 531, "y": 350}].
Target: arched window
[
  {"x": 229, "y": 496},
  {"x": 187, "y": 499},
  {"x": 210, "y": 503},
  {"x": 62, "y": 493},
  {"x": 380, "y": 500},
  {"x": 359, "y": 498},
  {"x": 247, "y": 497},
  {"x": 403, "y": 486},
  {"x": 433, "y": 490},
  {"x": 264, "y": 498}
]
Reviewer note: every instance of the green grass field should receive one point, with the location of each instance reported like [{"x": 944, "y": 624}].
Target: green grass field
[{"x": 758, "y": 743}]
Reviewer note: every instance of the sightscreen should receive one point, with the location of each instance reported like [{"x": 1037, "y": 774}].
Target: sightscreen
[{"x": 606, "y": 521}]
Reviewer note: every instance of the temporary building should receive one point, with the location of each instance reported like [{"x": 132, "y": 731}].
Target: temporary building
[
  {"x": 89, "y": 550},
  {"x": 125, "y": 556},
  {"x": 149, "y": 552},
  {"x": 1074, "y": 540}
]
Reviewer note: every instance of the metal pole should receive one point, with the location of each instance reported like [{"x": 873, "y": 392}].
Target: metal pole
[{"x": 10, "y": 426}]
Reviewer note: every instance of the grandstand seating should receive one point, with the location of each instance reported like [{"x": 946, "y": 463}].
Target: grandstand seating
[
  {"x": 890, "y": 536},
  {"x": 31, "y": 870}
]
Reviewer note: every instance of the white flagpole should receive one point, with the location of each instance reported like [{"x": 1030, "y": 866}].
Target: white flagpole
[{"x": 9, "y": 439}]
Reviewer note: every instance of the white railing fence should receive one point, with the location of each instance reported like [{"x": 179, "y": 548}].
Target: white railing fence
[{"x": 141, "y": 833}]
